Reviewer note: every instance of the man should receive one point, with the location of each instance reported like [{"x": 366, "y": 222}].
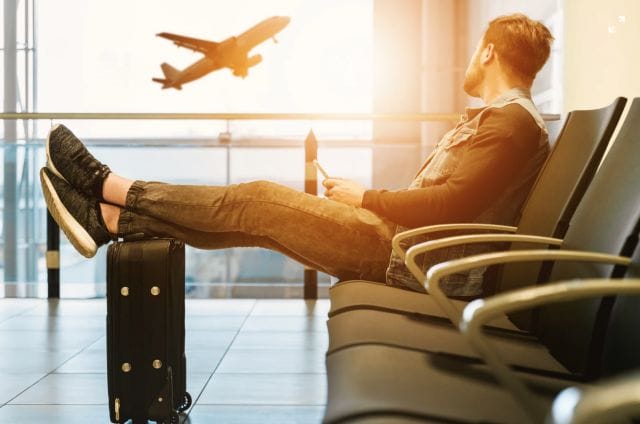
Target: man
[{"x": 480, "y": 171}]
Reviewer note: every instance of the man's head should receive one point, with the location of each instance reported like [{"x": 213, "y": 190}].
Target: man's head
[{"x": 513, "y": 47}]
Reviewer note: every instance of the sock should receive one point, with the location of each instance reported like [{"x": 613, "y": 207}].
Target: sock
[{"x": 103, "y": 225}]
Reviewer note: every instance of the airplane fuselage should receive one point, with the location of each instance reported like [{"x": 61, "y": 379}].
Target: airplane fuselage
[
  {"x": 262, "y": 32},
  {"x": 197, "y": 70}
]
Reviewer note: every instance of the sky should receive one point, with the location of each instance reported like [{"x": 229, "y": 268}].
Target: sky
[{"x": 101, "y": 56}]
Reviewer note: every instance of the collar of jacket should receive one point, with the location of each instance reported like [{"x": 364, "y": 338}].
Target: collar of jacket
[{"x": 506, "y": 97}]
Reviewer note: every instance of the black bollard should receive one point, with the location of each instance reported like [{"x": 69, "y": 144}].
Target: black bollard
[{"x": 53, "y": 258}]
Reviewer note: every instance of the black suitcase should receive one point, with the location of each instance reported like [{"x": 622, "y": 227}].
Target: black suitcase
[{"x": 146, "y": 363}]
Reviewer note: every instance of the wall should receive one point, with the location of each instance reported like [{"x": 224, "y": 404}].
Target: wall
[
  {"x": 419, "y": 61},
  {"x": 444, "y": 61},
  {"x": 396, "y": 89},
  {"x": 602, "y": 59}
]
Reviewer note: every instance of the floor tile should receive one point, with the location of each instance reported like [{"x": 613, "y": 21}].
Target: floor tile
[
  {"x": 12, "y": 307},
  {"x": 213, "y": 323},
  {"x": 68, "y": 389},
  {"x": 70, "y": 307},
  {"x": 265, "y": 389},
  {"x": 11, "y": 340},
  {"x": 268, "y": 356},
  {"x": 251, "y": 414},
  {"x": 11, "y": 303},
  {"x": 54, "y": 414},
  {"x": 86, "y": 362},
  {"x": 195, "y": 385},
  {"x": 297, "y": 340},
  {"x": 208, "y": 340},
  {"x": 273, "y": 361},
  {"x": 33, "y": 361},
  {"x": 227, "y": 307},
  {"x": 291, "y": 307},
  {"x": 12, "y": 385},
  {"x": 204, "y": 361},
  {"x": 100, "y": 344},
  {"x": 55, "y": 323},
  {"x": 285, "y": 323}
]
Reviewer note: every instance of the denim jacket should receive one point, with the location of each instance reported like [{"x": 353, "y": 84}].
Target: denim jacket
[{"x": 439, "y": 165}]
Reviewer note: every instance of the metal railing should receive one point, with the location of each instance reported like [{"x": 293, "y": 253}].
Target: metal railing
[{"x": 416, "y": 117}]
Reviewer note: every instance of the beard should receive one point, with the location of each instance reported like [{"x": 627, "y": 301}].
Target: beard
[{"x": 473, "y": 79}]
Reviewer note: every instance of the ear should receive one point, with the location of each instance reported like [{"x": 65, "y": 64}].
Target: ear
[{"x": 488, "y": 54}]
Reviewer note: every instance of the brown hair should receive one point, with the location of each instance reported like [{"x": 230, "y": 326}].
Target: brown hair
[{"x": 521, "y": 43}]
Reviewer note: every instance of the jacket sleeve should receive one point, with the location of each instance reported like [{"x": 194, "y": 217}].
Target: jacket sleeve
[{"x": 505, "y": 139}]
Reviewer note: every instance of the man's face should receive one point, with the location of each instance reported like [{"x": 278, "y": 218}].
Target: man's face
[{"x": 474, "y": 76}]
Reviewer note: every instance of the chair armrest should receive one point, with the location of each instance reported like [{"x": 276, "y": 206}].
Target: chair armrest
[
  {"x": 616, "y": 400},
  {"x": 395, "y": 242},
  {"x": 480, "y": 311},
  {"x": 427, "y": 246},
  {"x": 439, "y": 271}
]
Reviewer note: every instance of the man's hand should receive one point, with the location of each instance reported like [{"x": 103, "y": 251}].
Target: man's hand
[{"x": 344, "y": 191}]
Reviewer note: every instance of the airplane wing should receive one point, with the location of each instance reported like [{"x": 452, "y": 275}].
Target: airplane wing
[{"x": 195, "y": 44}]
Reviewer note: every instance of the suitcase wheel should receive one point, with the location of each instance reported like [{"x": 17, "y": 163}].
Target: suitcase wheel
[
  {"x": 175, "y": 419},
  {"x": 186, "y": 402}
]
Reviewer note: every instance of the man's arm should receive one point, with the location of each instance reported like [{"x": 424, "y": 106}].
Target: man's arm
[{"x": 505, "y": 141}]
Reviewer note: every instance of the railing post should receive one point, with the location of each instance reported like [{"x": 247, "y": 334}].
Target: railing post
[
  {"x": 311, "y": 187},
  {"x": 53, "y": 258},
  {"x": 9, "y": 161}
]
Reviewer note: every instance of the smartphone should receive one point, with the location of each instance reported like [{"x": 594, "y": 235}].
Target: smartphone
[{"x": 320, "y": 169}]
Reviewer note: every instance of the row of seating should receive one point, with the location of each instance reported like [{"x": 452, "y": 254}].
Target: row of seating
[{"x": 565, "y": 312}]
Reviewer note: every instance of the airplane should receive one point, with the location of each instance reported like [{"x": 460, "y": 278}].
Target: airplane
[{"x": 232, "y": 53}]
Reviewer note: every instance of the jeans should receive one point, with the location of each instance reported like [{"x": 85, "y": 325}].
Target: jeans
[{"x": 340, "y": 240}]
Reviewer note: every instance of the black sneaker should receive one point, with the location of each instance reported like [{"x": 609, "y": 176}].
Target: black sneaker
[
  {"x": 77, "y": 215},
  {"x": 70, "y": 160}
]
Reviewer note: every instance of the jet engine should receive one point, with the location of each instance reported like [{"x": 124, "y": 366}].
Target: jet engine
[
  {"x": 243, "y": 71},
  {"x": 254, "y": 60},
  {"x": 240, "y": 72}
]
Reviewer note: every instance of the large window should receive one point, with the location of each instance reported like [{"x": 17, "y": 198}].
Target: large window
[{"x": 101, "y": 56}]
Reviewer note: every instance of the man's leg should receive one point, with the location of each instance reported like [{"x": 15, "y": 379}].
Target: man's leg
[
  {"x": 335, "y": 238},
  {"x": 339, "y": 239}
]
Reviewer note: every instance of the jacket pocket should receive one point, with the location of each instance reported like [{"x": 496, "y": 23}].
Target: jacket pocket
[{"x": 459, "y": 137}]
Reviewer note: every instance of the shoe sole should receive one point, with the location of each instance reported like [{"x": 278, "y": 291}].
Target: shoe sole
[
  {"x": 77, "y": 235},
  {"x": 50, "y": 164}
]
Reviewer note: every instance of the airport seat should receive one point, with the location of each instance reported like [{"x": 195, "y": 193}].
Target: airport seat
[
  {"x": 560, "y": 186},
  {"x": 390, "y": 384},
  {"x": 612, "y": 231},
  {"x": 370, "y": 380},
  {"x": 388, "y": 374}
]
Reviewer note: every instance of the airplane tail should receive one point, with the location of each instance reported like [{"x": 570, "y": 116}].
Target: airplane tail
[
  {"x": 171, "y": 75},
  {"x": 169, "y": 72}
]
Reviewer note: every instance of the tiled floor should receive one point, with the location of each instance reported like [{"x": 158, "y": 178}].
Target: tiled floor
[{"x": 249, "y": 361}]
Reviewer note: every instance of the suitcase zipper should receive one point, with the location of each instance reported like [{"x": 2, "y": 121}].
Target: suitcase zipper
[{"x": 116, "y": 408}]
